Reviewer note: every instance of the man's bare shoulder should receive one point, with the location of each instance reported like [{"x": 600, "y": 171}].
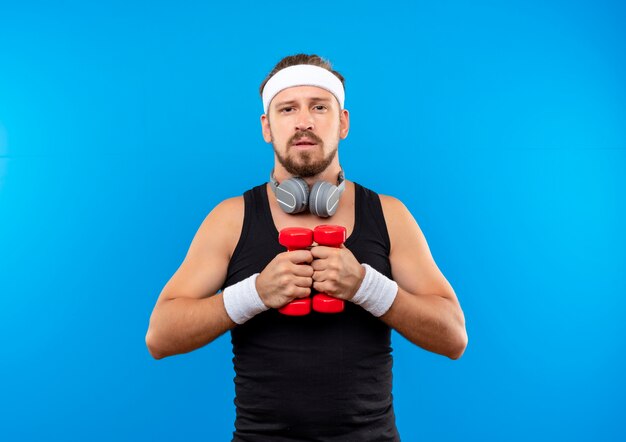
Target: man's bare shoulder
[
  {"x": 393, "y": 208},
  {"x": 400, "y": 222},
  {"x": 221, "y": 228},
  {"x": 229, "y": 204},
  {"x": 229, "y": 211}
]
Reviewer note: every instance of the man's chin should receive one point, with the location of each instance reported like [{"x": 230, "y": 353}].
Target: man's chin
[
  {"x": 306, "y": 170},
  {"x": 307, "y": 163}
]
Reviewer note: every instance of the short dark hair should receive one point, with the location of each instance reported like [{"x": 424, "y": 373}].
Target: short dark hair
[{"x": 292, "y": 60}]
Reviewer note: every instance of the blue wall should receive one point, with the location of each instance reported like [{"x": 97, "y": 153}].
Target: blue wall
[{"x": 502, "y": 126}]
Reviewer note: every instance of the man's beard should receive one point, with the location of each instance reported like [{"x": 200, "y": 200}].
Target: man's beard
[{"x": 302, "y": 164}]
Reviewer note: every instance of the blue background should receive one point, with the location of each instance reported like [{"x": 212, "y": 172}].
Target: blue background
[{"x": 502, "y": 127}]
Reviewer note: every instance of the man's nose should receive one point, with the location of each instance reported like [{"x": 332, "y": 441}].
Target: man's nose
[{"x": 304, "y": 121}]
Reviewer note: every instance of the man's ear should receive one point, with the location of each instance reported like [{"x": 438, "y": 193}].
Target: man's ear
[
  {"x": 265, "y": 128},
  {"x": 344, "y": 124}
]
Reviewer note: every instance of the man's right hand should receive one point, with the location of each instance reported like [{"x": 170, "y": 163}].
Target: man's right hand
[{"x": 287, "y": 277}]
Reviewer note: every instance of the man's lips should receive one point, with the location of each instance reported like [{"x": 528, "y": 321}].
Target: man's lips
[{"x": 304, "y": 142}]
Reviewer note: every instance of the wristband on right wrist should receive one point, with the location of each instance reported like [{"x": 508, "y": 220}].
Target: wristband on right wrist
[
  {"x": 377, "y": 292},
  {"x": 242, "y": 301}
]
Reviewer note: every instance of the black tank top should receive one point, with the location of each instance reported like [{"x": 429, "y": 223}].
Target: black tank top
[{"x": 320, "y": 377}]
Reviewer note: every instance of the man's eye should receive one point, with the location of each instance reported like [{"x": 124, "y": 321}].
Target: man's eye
[
  {"x": 320, "y": 107},
  {"x": 286, "y": 109}
]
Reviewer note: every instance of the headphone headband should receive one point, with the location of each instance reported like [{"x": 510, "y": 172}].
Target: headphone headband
[{"x": 341, "y": 181}]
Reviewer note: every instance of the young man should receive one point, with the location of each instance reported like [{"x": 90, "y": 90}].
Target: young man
[{"x": 320, "y": 376}]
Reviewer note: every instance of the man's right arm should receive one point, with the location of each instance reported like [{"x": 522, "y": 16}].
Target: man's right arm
[{"x": 188, "y": 313}]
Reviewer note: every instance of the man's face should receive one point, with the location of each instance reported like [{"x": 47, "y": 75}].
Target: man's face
[{"x": 304, "y": 124}]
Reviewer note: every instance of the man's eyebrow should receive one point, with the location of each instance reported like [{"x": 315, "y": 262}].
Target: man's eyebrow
[{"x": 284, "y": 103}]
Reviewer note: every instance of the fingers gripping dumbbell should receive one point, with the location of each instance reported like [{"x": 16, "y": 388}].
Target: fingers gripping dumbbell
[
  {"x": 329, "y": 236},
  {"x": 296, "y": 238}
]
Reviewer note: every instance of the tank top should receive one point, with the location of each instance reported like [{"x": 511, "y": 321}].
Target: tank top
[{"x": 319, "y": 377}]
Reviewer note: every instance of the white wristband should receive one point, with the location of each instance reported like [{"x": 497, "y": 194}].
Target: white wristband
[
  {"x": 242, "y": 301},
  {"x": 377, "y": 292}
]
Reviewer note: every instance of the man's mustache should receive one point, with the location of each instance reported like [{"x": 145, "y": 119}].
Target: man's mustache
[{"x": 304, "y": 134}]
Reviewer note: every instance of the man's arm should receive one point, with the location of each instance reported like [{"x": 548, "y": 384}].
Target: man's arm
[
  {"x": 188, "y": 313},
  {"x": 426, "y": 310}
]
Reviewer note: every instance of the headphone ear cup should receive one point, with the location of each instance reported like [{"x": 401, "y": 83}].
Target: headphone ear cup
[
  {"x": 293, "y": 195},
  {"x": 323, "y": 199}
]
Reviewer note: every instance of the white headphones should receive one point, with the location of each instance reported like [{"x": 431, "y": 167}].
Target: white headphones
[{"x": 293, "y": 195}]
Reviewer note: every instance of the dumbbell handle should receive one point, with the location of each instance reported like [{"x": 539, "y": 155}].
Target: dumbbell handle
[{"x": 296, "y": 238}]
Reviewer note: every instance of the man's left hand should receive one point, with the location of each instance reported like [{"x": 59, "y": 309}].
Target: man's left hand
[{"x": 336, "y": 272}]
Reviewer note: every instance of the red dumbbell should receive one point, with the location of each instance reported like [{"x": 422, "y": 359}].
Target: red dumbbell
[
  {"x": 296, "y": 238},
  {"x": 330, "y": 236}
]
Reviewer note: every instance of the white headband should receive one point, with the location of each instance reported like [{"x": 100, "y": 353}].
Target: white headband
[{"x": 302, "y": 75}]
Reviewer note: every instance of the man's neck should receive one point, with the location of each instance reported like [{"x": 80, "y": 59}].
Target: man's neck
[{"x": 330, "y": 174}]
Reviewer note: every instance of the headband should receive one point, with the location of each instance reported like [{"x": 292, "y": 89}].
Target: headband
[{"x": 302, "y": 75}]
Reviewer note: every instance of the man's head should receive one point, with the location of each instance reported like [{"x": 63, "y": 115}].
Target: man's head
[{"x": 304, "y": 116}]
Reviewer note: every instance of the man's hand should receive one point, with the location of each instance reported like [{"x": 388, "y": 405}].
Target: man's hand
[
  {"x": 337, "y": 272},
  {"x": 287, "y": 277}
]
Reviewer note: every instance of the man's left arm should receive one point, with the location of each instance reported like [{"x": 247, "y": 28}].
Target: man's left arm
[{"x": 426, "y": 310}]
